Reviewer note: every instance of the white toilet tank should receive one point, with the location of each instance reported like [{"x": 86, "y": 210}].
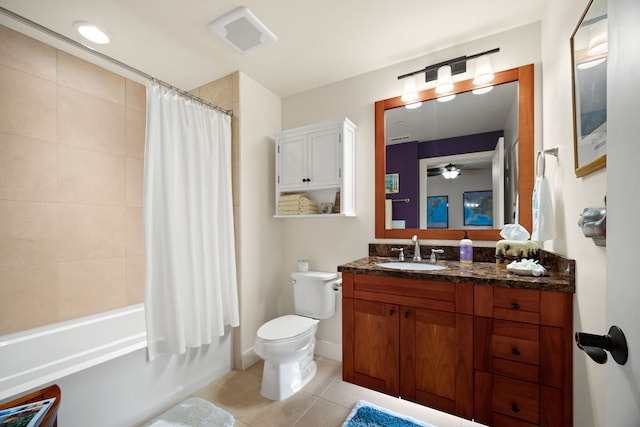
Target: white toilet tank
[{"x": 314, "y": 293}]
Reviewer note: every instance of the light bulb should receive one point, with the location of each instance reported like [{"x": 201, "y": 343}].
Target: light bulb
[
  {"x": 445, "y": 82},
  {"x": 484, "y": 72},
  {"x": 409, "y": 91}
]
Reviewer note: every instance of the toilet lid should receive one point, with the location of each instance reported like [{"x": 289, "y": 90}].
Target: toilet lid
[{"x": 284, "y": 327}]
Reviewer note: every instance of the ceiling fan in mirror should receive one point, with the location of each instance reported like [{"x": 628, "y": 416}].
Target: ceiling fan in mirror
[{"x": 448, "y": 171}]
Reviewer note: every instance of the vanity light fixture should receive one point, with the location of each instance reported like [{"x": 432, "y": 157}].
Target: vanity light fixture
[
  {"x": 484, "y": 72},
  {"x": 443, "y": 73},
  {"x": 444, "y": 84},
  {"x": 413, "y": 105},
  {"x": 410, "y": 89},
  {"x": 598, "y": 39},
  {"x": 482, "y": 90},
  {"x": 446, "y": 98},
  {"x": 92, "y": 32},
  {"x": 590, "y": 64}
]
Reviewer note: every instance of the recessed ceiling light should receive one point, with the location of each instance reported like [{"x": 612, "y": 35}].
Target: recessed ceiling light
[{"x": 92, "y": 32}]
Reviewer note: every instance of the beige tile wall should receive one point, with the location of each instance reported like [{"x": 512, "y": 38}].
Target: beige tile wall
[{"x": 71, "y": 164}]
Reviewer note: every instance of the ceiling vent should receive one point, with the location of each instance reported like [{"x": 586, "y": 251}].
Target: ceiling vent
[
  {"x": 397, "y": 139},
  {"x": 242, "y": 30}
]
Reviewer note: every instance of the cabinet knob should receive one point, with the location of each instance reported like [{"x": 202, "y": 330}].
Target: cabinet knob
[
  {"x": 391, "y": 312},
  {"x": 515, "y": 306},
  {"x": 515, "y": 408},
  {"x": 516, "y": 352},
  {"x": 406, "y": 314}
]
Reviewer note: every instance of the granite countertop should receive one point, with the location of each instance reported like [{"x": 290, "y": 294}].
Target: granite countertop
[{"x": 560, "y": 276}]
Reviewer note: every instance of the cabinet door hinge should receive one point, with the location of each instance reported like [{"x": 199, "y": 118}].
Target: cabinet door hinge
[
  {"x": 339, "y": 172},
  {"x": 278, "y": 179},
  {"x": 278, "y": 149}
]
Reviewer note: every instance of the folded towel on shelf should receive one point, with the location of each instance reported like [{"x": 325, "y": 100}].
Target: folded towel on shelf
[
  {"x": 292, "y": 197},
  {"x": 298, "y": 210},
  {"x": 297, "y": 204},
  {"x": 309, "y": 210},
  {"x": 282, "y": 211},
  {"x": 293, "y": 204}
]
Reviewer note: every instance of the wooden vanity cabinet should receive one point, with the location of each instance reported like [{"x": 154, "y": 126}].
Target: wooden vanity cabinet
[
  {"x": 410, "y": 338},
  {"x": 522, "y": 357}
]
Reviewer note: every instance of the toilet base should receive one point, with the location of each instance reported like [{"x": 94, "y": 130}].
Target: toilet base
[{"x": 282, "y": 380}]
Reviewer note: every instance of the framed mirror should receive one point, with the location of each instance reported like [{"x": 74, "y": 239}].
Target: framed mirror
[
  {"x": 589, "y": 49},
  {"x": 476, "y": 161}
]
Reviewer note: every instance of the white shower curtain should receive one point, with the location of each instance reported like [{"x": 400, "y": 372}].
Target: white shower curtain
[{"x": 191, "y": 290}]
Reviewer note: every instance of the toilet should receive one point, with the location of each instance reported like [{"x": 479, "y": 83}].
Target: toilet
[{"x": 287, "y": 343}]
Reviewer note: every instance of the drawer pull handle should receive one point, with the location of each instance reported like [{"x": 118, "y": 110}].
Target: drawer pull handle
[
  {"x": 515, "y": 408},
  {"x": 516, "y": 352},
  {"x": 391, "y": 312},
  {"x": 515, "y": 306}
]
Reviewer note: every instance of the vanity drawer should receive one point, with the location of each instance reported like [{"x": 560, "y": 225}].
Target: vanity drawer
[
  {"x": 520, "y": 305},
  {"x": 519, "y": 342},
  {"x": 517, "y": 399}
]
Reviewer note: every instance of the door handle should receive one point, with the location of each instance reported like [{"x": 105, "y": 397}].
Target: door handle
[{"x": 595, "y": 345}]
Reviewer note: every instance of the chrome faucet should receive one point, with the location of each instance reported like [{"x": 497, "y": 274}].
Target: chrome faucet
[
  {"x": 416, "y": 250},
  {"x": 434, "y": 258}
]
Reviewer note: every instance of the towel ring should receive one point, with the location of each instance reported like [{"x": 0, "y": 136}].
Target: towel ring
[{"x": 541, "y": 161}]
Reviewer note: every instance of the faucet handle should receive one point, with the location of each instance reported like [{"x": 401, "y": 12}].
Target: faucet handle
[
  {"x": 401, "y": 254},
  {"x": 434, "y": 258}
]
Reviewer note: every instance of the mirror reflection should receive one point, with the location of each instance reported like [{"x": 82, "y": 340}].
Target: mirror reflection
[
  {"x": 454, "y": 164},
  {"x": 463, "y": 165}
]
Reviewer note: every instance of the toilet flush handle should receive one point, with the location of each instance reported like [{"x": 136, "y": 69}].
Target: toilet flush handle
[{"x": 337, "y": 285}]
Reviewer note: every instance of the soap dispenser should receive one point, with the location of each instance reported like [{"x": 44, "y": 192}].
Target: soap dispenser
[{"x": 466, "y": 250}]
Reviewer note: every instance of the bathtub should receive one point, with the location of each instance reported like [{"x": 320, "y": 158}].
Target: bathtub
[{"x": 32, "y": 358}]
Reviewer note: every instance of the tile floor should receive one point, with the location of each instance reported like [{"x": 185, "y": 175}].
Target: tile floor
[{"x": 324, "y": 402}]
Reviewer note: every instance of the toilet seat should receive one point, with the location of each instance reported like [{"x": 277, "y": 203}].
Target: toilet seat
[{"x": 286, "y": 328}]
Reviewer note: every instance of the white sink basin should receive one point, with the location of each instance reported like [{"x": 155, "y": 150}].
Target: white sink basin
[{"x": 397, "y": 265}]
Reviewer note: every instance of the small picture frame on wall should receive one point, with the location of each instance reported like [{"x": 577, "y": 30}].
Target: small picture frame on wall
[
  {"x": 478, "y": 208},
  {"x": 392, "y": 183},
  {"x": 437, "y": 212}
]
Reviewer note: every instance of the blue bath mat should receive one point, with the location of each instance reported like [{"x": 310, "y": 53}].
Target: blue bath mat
[
  {"x": 365, "y": 414},
  {"x": 193, "y": 412}
]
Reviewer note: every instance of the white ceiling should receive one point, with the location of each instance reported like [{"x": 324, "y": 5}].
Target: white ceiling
[{"x": 319, "y": 41}]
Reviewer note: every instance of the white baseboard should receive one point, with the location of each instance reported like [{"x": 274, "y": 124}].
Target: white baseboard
[{"x": 329, "y": 349}]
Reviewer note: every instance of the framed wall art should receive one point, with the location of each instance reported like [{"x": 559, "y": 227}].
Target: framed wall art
[
  {"x": 478, "y": 208},
  {"x": 437, "y": 212},
  {"x": 589, "y": 49}
]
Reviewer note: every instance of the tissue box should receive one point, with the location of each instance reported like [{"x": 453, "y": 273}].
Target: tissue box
[{"x": 508, "y": 251}]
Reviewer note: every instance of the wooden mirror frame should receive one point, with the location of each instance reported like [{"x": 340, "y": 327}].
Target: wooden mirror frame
[{"x": 525, "y": 77}]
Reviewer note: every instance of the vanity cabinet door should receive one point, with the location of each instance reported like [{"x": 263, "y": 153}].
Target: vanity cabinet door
[
  {"x": 375, "y": 345},
  {"x": 410, "y": 338},
  {"x": 436, "y": 359}
]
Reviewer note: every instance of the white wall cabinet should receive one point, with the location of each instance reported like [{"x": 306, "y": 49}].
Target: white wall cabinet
[{"x": 317, "y": 160}]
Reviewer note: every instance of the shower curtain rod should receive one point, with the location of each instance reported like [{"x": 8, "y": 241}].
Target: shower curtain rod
[{"x": 107, "y": 58}]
